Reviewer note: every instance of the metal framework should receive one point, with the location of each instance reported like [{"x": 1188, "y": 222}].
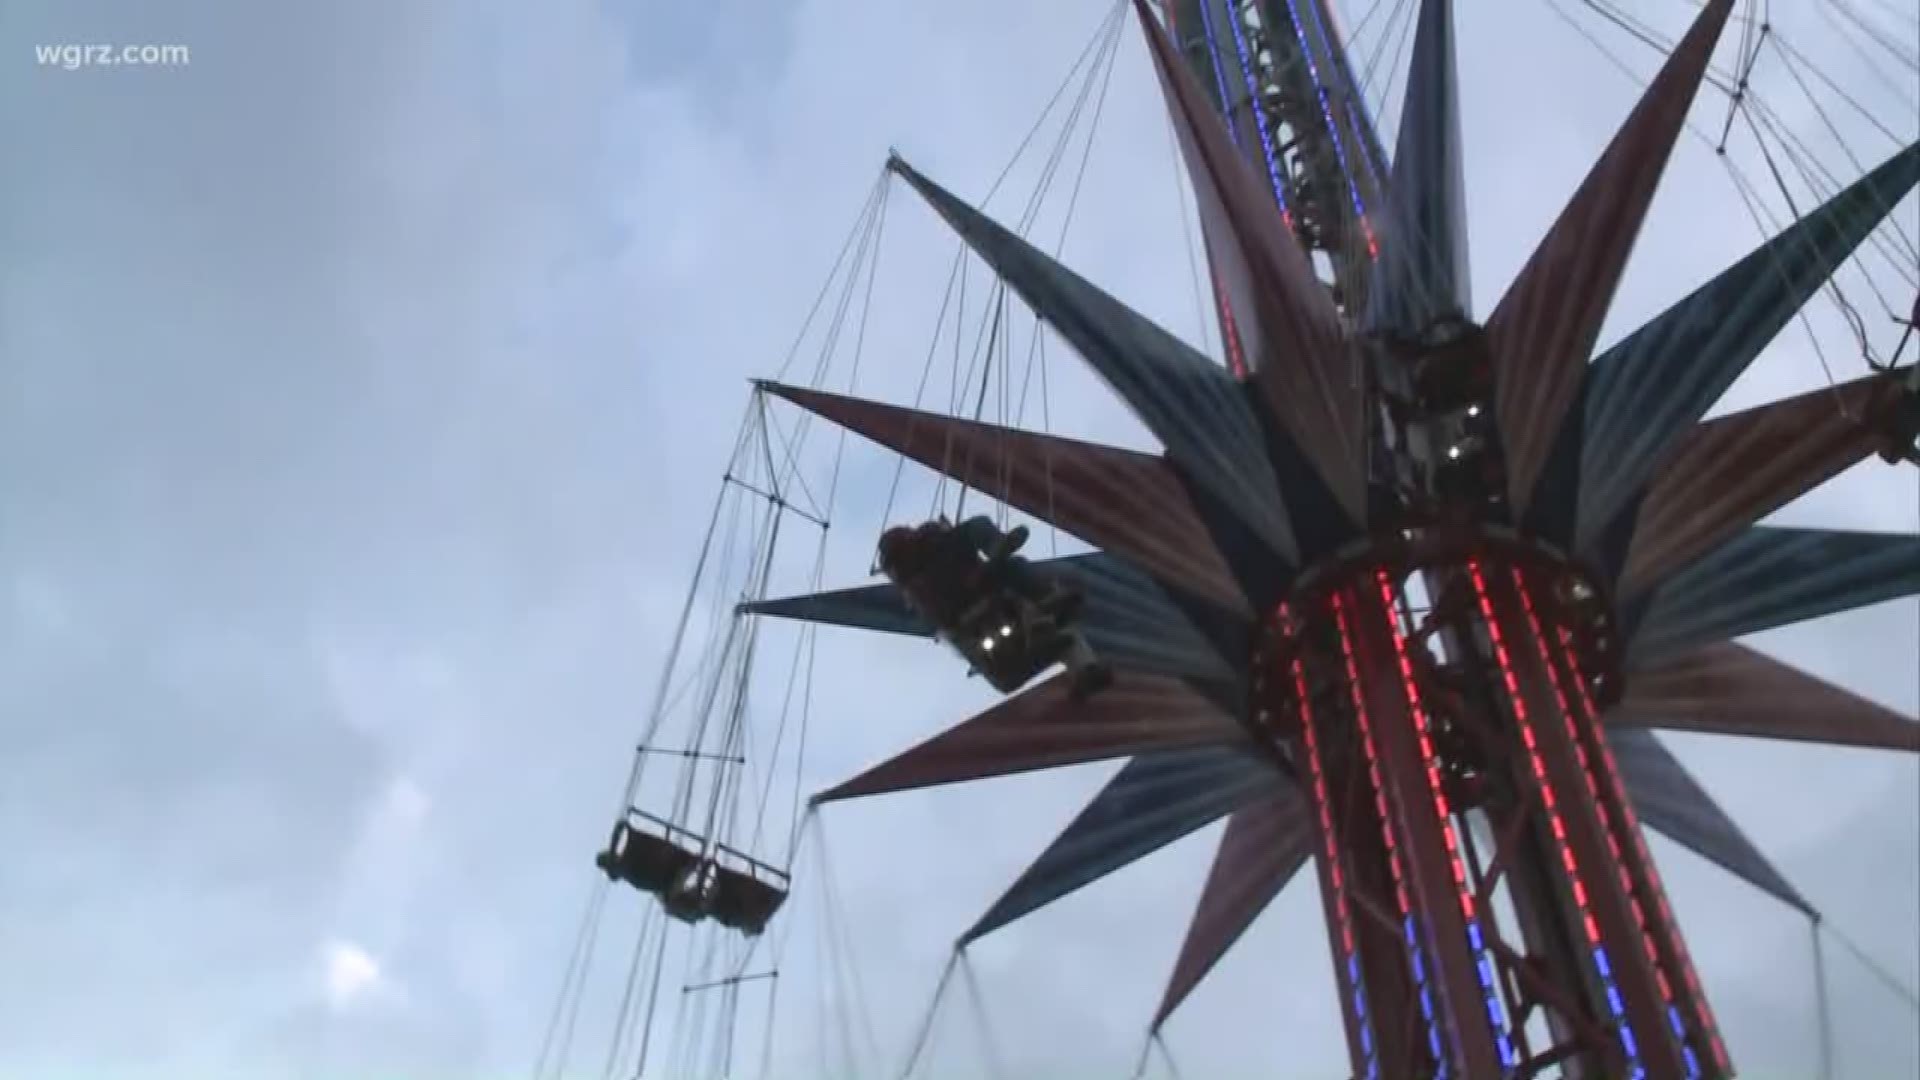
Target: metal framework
[
  {"x": 1415, "y": 627},
  {"x": 1275, "y": 72}
]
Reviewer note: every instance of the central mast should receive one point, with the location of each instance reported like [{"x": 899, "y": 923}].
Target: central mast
[
  {"x": 1277, "y": 75},
  {"x": 1435, "y": 687}
]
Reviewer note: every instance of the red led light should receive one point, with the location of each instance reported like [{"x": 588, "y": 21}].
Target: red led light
[
  {"x": 1342, "y": 914},
  {"x": 1236, "y": 360},
  {"x": 1539, "y": 767},
  {"x": 1429, "y": 760}
]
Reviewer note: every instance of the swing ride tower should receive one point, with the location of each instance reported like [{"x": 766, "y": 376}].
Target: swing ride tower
[{"x": 1409, "y": 588}]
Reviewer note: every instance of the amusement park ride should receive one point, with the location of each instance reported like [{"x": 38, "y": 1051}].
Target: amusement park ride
[{"x": 1412, "y": 584}]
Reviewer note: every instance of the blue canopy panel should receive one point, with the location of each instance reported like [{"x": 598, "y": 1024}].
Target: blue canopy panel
[
  {"x": 1263, "y": 847},
  {"x": 1128, "y": 620},
  {"x": 1189, "y": 403},
  {"x": 1542, "y": 332},
  {"x": 1422, "y": 276},
  {"x": 1768, "y": 577},
  {"x": 1646, "y": 392},
  {"x": 1154, "y": 800},
  {"x": 879, "y": 608},
  {"x": 1043, "y": 728},
  {"x": 1669, "y": 799},
  {"x": 1728, "y": 689}
]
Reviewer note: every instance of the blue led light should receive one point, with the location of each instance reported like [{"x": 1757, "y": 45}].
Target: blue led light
[
  {"x": 1369, "y": 154},
  {"x": 1326, "y": 110},
  {"x": 1426, "y": 999},
  {"x": 1253, "y": 103},
  {"x": 1680, "y": 1033},
  {"x": 1473, "y": 937},
  {"x": 1614, "y": 1005},
  {"x": 1219, "y": 80}
]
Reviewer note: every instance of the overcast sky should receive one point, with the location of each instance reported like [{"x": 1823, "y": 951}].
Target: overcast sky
[{"x": 363, "y": 389}]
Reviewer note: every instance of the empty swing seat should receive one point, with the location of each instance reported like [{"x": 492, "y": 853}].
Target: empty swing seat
[
  {"x": 667, "y": 862},
  {"x": 648, "y": 859},
  {"x": 746, "y": 892}
]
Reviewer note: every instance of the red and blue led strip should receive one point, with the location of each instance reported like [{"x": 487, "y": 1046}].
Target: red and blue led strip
[
  {"x": 1423, "y": 726},
  {"x": 1606, "y": 827},
  {"x": 1630, "y": 826},
  {"x": 1407, "y": 925},
  {"x": 1343, "y": 915},
  {"x": 1596, "y": 946}
]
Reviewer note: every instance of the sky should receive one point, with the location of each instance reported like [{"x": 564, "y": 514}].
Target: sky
[{"x": 364, "y": 385}]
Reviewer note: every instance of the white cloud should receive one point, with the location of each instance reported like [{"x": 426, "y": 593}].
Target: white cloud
[{"x": 350, "y": 973}]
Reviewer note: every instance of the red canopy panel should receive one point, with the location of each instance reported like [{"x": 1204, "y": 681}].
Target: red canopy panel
[
  {"x": 1043, "y": 728},
  {"x": 1263, "y": 847},
  {"x": 1543, "y": 331},
  {"x": 1730, "y": 472},
  {"x": 1118, "y": 500},
  {"x": 1730, "y": 689}
]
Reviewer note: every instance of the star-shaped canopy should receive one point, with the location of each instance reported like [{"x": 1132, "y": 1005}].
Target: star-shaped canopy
[{"x": 1608, "y": 457}]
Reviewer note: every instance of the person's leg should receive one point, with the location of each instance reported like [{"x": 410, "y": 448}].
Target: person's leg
[{"x": 1089, "y": 674}]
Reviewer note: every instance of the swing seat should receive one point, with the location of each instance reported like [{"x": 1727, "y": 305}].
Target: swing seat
[
  {"x": 1009, "y": 640},
  {"x": 1006, "y": 621},
  {"x": 728, "y": 886},
  {"x": 652, "y": 859},
  {"x": 746, "y": 896}
]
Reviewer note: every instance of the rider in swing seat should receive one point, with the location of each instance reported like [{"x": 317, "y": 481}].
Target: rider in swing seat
[{"x": 956, "y": 573}]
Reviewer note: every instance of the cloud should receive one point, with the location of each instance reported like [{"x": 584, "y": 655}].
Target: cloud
[{"x": 351, "y": 973}]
